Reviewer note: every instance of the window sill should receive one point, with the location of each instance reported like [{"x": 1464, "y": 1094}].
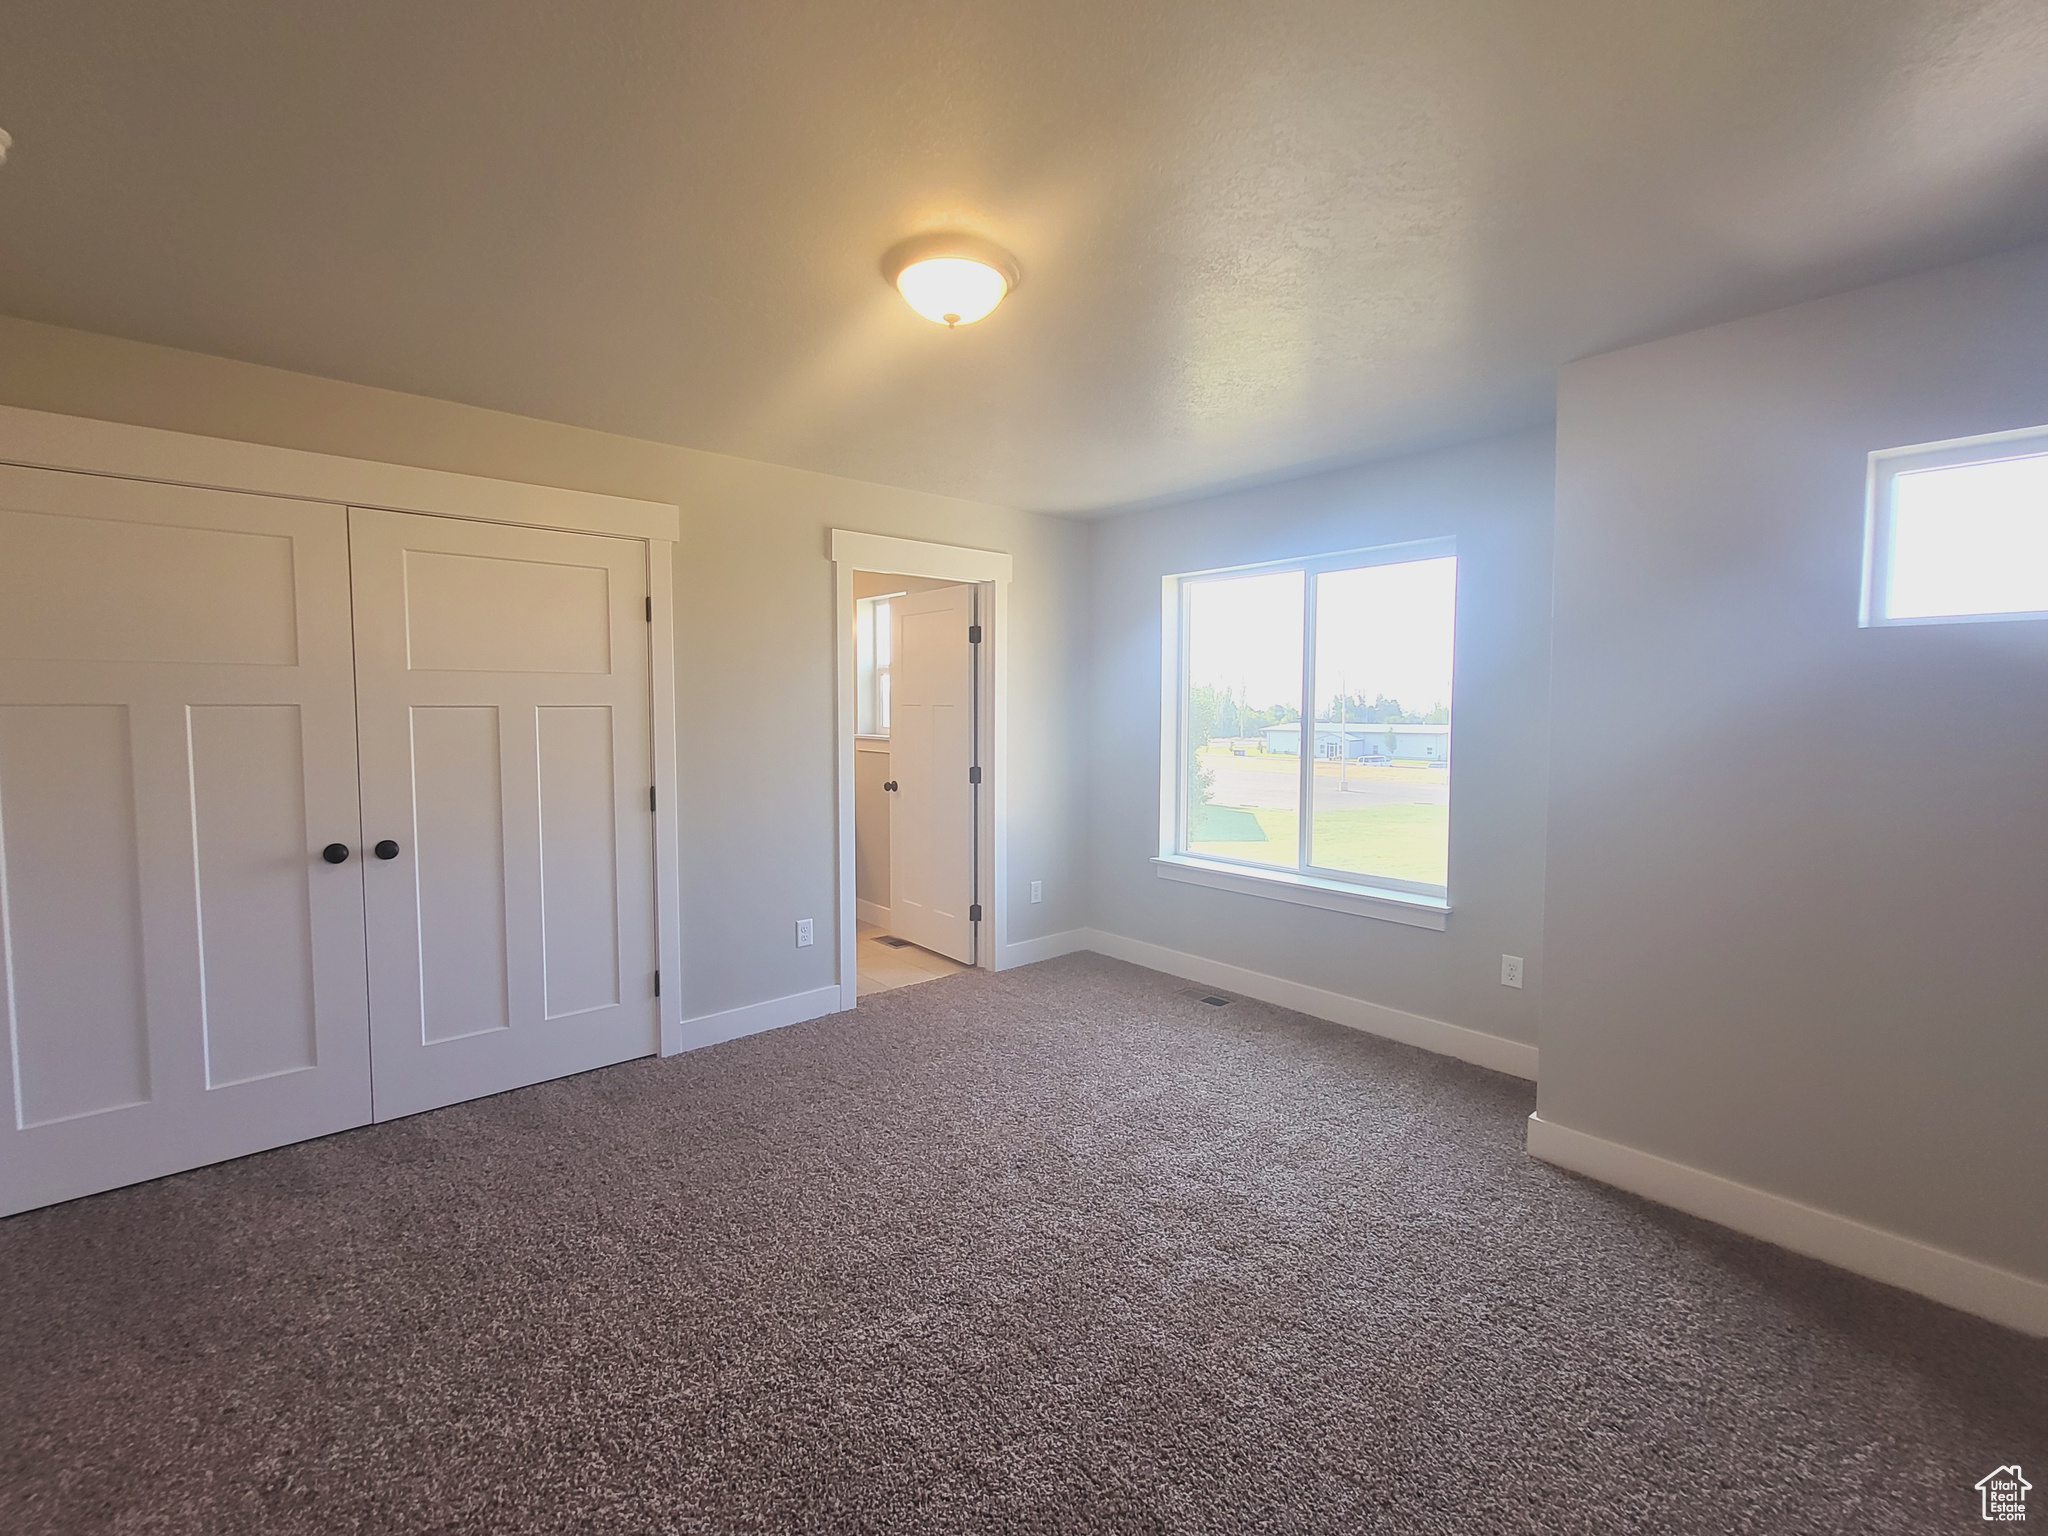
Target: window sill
[{"x": 1409, "y": 907}]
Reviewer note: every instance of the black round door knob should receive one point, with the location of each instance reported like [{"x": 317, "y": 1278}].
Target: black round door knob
[
  {"x": 889, "y": 785},
  {"x": 335, "y": 853},
  {"x": 386, "y": 849}
]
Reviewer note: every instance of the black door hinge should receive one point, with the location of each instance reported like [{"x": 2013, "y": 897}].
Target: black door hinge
[
  {"x": 974, "y": 913},
  {"x": 974, "y": 775},
  {"x": 650, "y": 797},
  {"x": 657, "y": 983},
  {"x": 650, "y": 610},
  {"x": 974, "y": 634}
]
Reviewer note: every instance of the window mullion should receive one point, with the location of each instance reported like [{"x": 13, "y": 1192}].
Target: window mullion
[{"x": 1305, "y": 738}]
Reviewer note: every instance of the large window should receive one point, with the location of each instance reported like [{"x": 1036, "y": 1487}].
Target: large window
[
  {"x": 1358, "y": 646},
  {"x": 1959, "y": 532}
]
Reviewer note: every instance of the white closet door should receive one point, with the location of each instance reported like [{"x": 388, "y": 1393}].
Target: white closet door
[
  {"x": 931, "y": 747},
  {"x": 183, "y": 970},
  {"x": 502, "y": 692}
]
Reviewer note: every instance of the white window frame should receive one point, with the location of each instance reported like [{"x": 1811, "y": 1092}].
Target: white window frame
[
  {"x": 1402, "y": 901},
  {"x": 1886, "y": 465}
]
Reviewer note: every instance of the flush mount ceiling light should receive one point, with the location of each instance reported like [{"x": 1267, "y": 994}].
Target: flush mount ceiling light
[{"x": 950, "y": 278}]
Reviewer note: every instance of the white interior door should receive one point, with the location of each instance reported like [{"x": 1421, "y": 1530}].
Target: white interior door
[
  {"x": 931, "y": 749},
  {"x": 183, "y": 969},
  {"x": 502, "y": 687}
]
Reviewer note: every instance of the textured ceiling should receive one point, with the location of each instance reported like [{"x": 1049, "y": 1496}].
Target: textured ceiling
[{"x": 1255, "y": 237}]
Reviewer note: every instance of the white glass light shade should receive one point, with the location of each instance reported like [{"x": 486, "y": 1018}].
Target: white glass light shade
[
  {"x": 951, "y": 279},
  {"x": 951, "y": 289}
]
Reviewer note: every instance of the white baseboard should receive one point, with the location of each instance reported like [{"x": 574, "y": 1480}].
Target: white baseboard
[
  {"x": 869, "y": 912},
  {"x": 753, "y": 1018},
  {"x": 1967, "y": 1284},
  {"x": 1481, "y": 1049},
  {"x": 1051, "y": 947}
]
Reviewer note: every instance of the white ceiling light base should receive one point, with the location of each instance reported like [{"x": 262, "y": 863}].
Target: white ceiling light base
[{"x": 951, "y": 279}]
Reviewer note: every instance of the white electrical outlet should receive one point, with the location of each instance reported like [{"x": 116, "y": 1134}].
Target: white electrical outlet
[
  {"x": 803, "y": 933},
  {"x": 1038, "y": 890},
  {"x": 1511, "y": 970}
]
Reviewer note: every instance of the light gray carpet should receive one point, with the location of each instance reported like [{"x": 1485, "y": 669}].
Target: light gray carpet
[{"x": 1058, "y": 1250}]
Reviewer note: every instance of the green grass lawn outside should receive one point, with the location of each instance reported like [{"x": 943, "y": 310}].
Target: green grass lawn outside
[{"x": 1402, "y": 842}]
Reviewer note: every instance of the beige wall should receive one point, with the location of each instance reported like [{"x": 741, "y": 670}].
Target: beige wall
[
  {"x": 1495, "y": 497},
  {"x": 754, "y": 623},
  {"x": 1797, "y": 902}
]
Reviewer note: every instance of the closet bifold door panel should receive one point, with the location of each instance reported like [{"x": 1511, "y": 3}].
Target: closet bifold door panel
[
  {"x": 183, "y": 968},
  {"x": 503, "y": 715}
]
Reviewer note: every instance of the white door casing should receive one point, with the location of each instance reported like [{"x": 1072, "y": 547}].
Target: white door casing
[
  {"x": 183, "y": 970},
  {"x": 931, "y": 749},
  {"x": 503, "y": 703},
  {"x": 990, "y": 572}
]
